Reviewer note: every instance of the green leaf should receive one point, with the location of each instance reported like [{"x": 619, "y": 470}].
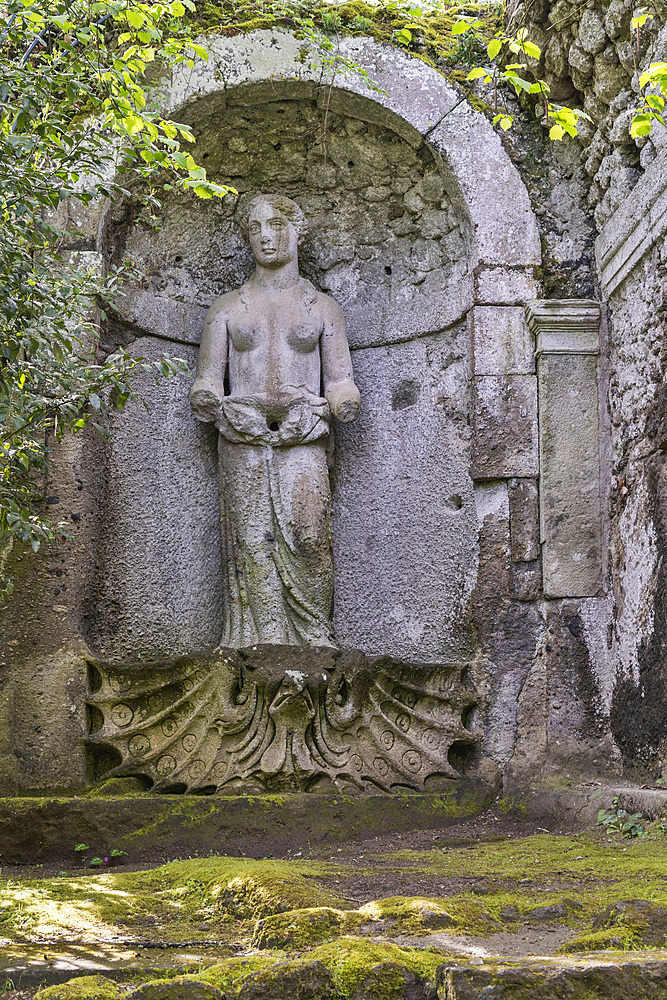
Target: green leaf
[
  {"x": 135, "y": 18},
  {"x": 641, "y": 125},
  {"x": 476, "y": 73},
  {"x": 556, "y": 132},
  {"x": 532, "y": 51},
  {"x": 505, "y": 121},
  {"x": 494, "y": 47}
]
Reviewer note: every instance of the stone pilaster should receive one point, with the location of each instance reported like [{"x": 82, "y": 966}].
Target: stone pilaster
[{"x": 566, "y": 333}]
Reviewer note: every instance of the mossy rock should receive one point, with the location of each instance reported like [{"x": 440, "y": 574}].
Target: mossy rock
[
  {"x": 180, "y": 988},
  {"x": 610, "y": 940},
  {"x": 603, "y": 981},
  {"x": 389, "y": 981},
  {"x": 405, "y": 914},
  {"x": 644, "y": 921},
  {"x": 230, "y": 974},
  {"x": 356, "y": 961},
  {"x": 297, "y": 980},
  {"x": 298, "y": 929},
  {"x": 82, "y": 988}
]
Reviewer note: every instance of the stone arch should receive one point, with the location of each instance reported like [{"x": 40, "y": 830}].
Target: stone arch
[
  {"x": 481, "y": 307},
  {"x": 413, "y": 98}
]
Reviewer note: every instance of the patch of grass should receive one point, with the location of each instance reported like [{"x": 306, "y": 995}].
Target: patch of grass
[{"x": 546, "y": 857}]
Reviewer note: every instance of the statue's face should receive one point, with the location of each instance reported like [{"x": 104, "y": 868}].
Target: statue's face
[{"x": 273, "y": 238}]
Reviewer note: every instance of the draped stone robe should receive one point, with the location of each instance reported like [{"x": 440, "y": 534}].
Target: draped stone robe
[{"x": 275, "y": 497}]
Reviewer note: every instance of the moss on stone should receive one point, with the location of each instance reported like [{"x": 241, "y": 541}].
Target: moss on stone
[
  {"x": 608, "y": 940},
  {"x": 82, "y": 988},
  {"x": 112, "y": 788},
  {"x": 299, "y": 929},
  {"x": 407, "y": 914},
  {"x": 352, "y": 959},
  {"x": 431, "y": 31},
  {"x": 230, "y": 974}
]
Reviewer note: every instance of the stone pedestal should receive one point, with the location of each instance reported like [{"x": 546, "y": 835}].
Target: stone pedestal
[{"x": 567, "y": 349}]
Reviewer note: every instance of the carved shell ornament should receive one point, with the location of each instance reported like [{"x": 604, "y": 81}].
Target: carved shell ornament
[{"x": 268, "y": 719}]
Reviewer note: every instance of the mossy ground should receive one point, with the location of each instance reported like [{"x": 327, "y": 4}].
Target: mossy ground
[{"x": 350, "y": 911}]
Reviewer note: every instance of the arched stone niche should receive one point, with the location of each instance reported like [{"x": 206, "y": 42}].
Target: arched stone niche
[{"x": 421, "y": 228}]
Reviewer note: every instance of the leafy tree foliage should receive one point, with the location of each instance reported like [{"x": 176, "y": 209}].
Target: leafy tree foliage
[{"x": 74, "y": 124}]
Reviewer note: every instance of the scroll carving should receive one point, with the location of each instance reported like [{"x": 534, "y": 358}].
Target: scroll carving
[{"x": 270, "y": 719}]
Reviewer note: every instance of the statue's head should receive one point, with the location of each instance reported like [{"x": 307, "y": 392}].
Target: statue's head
[{"x": 274, "y": 227}]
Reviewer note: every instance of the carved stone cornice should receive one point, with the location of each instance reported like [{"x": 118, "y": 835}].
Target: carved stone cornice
[
  {"x": 635, "y": 228},
  {"x": 564, "y": 326}
]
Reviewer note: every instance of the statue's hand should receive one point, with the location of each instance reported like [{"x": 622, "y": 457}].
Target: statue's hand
[
  {"x": 205, "y": 401},
  {"x": 345, "y": 401}
]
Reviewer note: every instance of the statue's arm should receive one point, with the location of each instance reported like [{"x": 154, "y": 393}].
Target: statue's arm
[
  {"x": 339, "y": 388},
  {"x": 208, "y": 388}
]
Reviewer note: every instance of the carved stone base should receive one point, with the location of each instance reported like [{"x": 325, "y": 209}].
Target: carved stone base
[{"x": 272, "y": 718}]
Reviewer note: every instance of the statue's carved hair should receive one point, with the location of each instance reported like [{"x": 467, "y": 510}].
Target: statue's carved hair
[{"x": 281, "y": 204}]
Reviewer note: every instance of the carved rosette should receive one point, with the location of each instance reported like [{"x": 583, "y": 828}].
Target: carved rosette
[{"x": 273, "y": 718}]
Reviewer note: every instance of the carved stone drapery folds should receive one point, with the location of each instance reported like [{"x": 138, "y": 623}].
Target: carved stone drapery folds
[{"x": 274, "y": 718}]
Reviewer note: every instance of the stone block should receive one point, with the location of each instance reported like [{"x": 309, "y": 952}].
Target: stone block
[
  {"x": 570, "y": 474},
  {"x": 501, "y": 342},
  {"x": 567, "y": 335},
  {"x": 163, "y": 316},
  {"x": 404, "y": 516},
  {"x": 158, "y": 584},
  {"x": 524, "y": 520},
  {"x": 526, "y": 580},
  {"x": 504, "y": 285},
  {"x": 505, "y": 427}
]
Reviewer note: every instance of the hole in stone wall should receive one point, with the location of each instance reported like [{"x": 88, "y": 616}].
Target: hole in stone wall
[
  {"x": 350, "y": 163},
  {"x": 454, "y": 502},
  {"x": 205, "y": 156},
  {"x": 274, "y": 425},
  {"x": 387, "y": 269},
  {"x": 176, "y": 789},
  {"x": 95, "y": 719},
  {"x": 94, "y": 678},
  {"x": 463, "y": 756},
  {"x": 405, "y": 394},
  {"x": 207, "y": 790},
  {"x": 178, "y": 260},
  {"x": 103, "y": 759},
  {"x": 469, "y": 717}
]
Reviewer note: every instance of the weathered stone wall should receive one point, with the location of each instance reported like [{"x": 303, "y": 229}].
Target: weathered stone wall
[
  {"x": 632, "y": 257},
  {"x": 386, "y": 240},
  {"x": 592, "y": 59},
  {"x": 441, "y": 497},
  {"x": 613, "y": 654}
]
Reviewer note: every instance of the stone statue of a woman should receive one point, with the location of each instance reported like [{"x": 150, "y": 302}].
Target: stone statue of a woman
[{"x": 283, "y": 348}]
